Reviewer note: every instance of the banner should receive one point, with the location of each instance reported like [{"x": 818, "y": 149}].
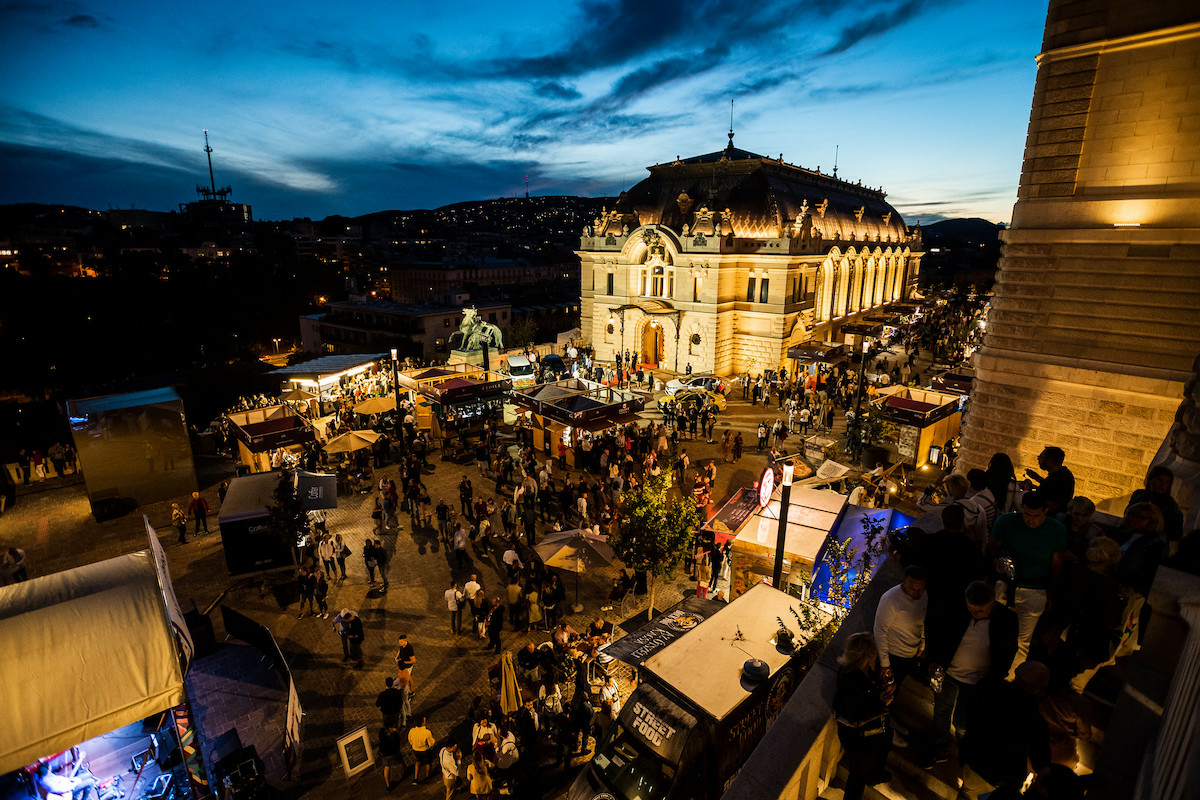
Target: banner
[
  {"x": 183, "y": 637},
  {"x": 636, "y": 647}
]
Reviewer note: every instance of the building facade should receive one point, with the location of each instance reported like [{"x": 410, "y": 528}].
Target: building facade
[
  {"x": 723, "y": 261},
  {"x": 374, "y": 326},
  {"x": 1096, "y": 317}
]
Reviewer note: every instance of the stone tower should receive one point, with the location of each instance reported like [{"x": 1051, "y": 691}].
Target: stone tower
[{"x": 1096, "y": 318}]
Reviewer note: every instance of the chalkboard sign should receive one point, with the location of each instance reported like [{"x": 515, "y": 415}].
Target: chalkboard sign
[
  {"x": 906, "y": 442},
  {"x": 733, "y": 515},
  {"x": 356, "y": 753}
]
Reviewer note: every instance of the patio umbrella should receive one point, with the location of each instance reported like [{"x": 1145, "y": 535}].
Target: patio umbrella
[
  {"x": 297, "y": 395},
  {"x": 376, "y": 405},
  {"x": 575, "y": 550},
  {"x": 349, "y": 442},
  {"x": 510, "y": 691}
]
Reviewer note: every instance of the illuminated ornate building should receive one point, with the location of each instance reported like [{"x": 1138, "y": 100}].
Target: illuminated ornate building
[
  {"x": 1096, "y": 318},
  {"x": 723, "y": 261}
]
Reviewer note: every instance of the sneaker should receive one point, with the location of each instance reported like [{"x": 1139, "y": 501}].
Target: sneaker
[
  {"x": 325, "y": 615},
  {"x": 606, "y": 608},
  {"x": 414, "y": 783},
  {"x": 300, "y": 615}
]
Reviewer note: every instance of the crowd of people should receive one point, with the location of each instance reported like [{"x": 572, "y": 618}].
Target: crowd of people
[{"x": 1014, "y": 596}]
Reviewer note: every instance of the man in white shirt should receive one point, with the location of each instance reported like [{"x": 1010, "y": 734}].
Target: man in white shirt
[
  {"x": 454, "y": 603},
  {"x": 450, "y": 760},
  {"x": 900, "y": 625},
  {"x": 53, "y": 786}
]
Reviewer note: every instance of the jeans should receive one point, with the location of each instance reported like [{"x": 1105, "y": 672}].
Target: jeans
[
  {"x": 949, "y": 706},
  {"x": 1029, "y": 605},
  {"x": 383, "y": 573},
  {"x": 456, "y": 621}
]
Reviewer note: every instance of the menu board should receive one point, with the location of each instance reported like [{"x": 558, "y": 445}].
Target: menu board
[{"x": 906, "y": 442}]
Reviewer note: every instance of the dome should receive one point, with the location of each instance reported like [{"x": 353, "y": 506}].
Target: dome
[{"x": 753, "y": 196}]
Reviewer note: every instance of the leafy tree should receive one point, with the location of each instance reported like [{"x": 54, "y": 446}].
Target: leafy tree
[
  {"x": 851, "y": 570},
  {"x": 656, "y": 531},
  {"x": 521, "y": 332},
  {"x": 286, "y": 517}
]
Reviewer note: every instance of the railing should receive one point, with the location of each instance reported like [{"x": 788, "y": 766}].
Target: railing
[{"x": 799, "y": 755}]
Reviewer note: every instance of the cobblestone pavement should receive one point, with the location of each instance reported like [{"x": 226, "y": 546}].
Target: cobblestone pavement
[{"x": 56, "y": 529}]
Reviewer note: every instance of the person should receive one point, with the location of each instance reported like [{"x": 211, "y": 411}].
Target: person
[
  {"x": 420, "y": 739},
  {"x": 321, "y": 595},
  {"x": 406, "y": 656},
  {"x": 307, "y": 585},
  {"x": 53, "y": 786},
  {"x": 381, "y": 560},
  {"x": 15, "y": 565},
  {"x": 325, "y": 553},
  {"x": 1158, "y": 491},
  {"x": 1005, "y": 734},
  {"x": 442, "y": 512},
  {"x": 494, "y": 624},
  {"x": 354, "y": 635},
  {"x": 473, "y": 592},
  {"x": 466, "y": 496},
  {"x": 900, "y": 626},
  {"x": 530, "y": 663},
  {"x": 610, "y": 693},
  {"x": 460, "y": 547},
  {"x": 369, "y": 560},
  {"x": 975, "y": 649},
  {"x": 860, "y": 703},
  {"x": 341, "y": 553},
  {"x": 1036, "y": 545},
  {"x": 450, "y": 760},
  {"x": 1058, "y": 484},
  {"x": 341, "y": 624},
  {"x": 479, "y": 777},
  {"x": 389, "y": 752},
  {"x": 390, "y": 701},
  {"x": 179, "y": 520},
  {"x": 454, "y": 603},
  {"x": 198, "y": 508},
  {"x": 1081, "y": 530}
]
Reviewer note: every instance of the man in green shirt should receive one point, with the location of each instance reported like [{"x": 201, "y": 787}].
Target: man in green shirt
[{"x": 1035, "y": 543}]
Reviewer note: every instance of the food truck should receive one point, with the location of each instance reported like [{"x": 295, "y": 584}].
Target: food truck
[{"x": 684, "y": 732}]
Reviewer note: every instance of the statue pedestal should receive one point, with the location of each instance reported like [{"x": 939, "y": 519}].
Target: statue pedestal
[{"x": 475, "y": 357}]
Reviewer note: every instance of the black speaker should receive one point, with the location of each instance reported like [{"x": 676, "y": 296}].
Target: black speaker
[{"x": 201, "y": 629}]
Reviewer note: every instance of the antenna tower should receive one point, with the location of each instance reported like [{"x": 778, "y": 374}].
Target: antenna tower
[{"x": 211, "y": 192}]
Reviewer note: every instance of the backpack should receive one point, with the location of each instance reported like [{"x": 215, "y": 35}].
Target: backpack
[{"x": 508, "y": 755}]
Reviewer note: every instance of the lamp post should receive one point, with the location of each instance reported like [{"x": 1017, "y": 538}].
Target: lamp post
[
  {"x": 276, "y": 341},
  {"x": 862, "y": 378},
  {"x": 396, "y": 391},
  {"x": 781, "y": 538}
]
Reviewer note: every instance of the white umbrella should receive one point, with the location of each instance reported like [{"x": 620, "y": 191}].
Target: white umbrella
[
  {"x": 349, "y": 442},
  {"x": 376, "y": 405},
  {"x": 575, "y": 550}
]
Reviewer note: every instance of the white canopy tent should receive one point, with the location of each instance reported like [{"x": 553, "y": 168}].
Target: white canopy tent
[{"x": 84, "y": 652}]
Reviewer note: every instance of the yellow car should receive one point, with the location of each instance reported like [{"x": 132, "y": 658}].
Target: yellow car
[{"x": 693, "y": 395}]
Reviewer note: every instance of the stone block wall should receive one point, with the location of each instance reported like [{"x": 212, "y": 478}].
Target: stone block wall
[{"x": 1096, "y": 315}]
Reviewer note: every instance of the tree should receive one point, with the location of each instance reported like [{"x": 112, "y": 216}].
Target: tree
[
  {"x": 656, "y": 530},
  {"x": 286, "y": 517},
  {"x": 521, "y": 332},
  {"x": 851, "y": 570}
]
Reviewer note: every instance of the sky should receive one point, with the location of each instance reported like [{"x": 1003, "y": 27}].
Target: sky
[{"x": 318, "y": 108}]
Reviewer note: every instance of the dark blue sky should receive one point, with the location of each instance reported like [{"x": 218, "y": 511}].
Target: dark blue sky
[{"x": 352, "y": 107}]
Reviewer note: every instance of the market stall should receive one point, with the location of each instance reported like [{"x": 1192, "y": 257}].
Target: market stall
[
  {"x": 811, "y": 515},
  {"x": 925, "y": 419},
  {"x": 565, "y": 411},
  {"x": 249, "y": 545},
  {"x": 270, "y": 437},
  {"x": 461, "y": 398},
  {"x": 325, "y": 375},
  {"x": 101, "y": 652}
]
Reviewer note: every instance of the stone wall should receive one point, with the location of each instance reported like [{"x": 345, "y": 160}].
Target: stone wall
[{"x": 1096, "y": 316}]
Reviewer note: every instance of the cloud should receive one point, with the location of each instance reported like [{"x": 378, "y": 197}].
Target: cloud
[
  {"x": 557, "y": 91},
  {"x": 322, "y": 50},
  {"x": 82, "y": 21},
  {"x": 877, "y": 24}
]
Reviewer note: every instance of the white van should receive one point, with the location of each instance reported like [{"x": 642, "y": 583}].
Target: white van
[{"x": 521, "y": 370}]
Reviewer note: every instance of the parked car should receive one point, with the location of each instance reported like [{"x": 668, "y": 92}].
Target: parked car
[
  {"x": 693, "y": 394},
  {"x": 702, "y": 380},
  {"x": 553, "y": 368}
]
